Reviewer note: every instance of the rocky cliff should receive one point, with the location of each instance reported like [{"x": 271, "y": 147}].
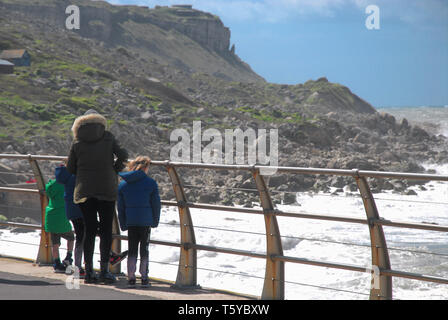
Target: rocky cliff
[
  {"x": 157, "y": 33},
  {"x": 150, "y": 71}
]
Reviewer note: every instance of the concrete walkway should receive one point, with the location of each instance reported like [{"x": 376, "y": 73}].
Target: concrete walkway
[
  {"x": 19, "y": 287},
  {"x": 23, "y": 280}
]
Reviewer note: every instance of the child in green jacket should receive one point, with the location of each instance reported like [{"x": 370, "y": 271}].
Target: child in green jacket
[{"x": 57, "y": 225}]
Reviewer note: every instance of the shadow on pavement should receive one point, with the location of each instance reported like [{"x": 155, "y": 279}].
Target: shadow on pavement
[{"x": 28, "y": 282}]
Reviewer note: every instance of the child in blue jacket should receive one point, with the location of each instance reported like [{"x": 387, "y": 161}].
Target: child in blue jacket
[
  {"x": 138, "y": 207},
  {"x": 73, "y": 213}
]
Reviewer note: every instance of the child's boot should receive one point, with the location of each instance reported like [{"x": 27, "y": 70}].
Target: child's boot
[
  {"x": 131, "y": 283},
  {"x": 117, "y": 258},
  {"x": 68, "y": 259},
  {"x": 58, "y": 266},
  {"x": 82, "y": 272},
  {"x": 145, "y": 282},
  {"x": 132, "y": 262},
  {"x": 144, "y": 272}
]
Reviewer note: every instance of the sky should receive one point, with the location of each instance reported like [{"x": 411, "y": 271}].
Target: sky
[{"x": 401, "y": 62}]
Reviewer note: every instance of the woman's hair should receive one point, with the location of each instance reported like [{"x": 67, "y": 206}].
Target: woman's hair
[{"x": 139, "y": 163}]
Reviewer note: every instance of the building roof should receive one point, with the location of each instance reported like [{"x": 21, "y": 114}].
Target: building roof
[
  {"x": 5, "y": 63},
  {"x": 12, "y": 54},
  {"x": 184, "y": 6}
]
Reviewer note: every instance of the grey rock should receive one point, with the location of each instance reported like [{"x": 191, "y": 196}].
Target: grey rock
[{"x": 289, "y": 198}]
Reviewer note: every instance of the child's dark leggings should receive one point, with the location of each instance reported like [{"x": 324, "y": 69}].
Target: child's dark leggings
[
  {"x": 78, "y": 225},
  {"x": 105, "y": 210},
  {"x": 138, "y": 236}
]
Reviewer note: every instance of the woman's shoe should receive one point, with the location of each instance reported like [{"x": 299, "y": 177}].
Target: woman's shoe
[
  {"x": 105, "y": 276},
  {"x": 90, "y": 275}
]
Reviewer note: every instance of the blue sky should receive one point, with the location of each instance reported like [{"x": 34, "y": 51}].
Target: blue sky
[{"x": 404, "y": 63}]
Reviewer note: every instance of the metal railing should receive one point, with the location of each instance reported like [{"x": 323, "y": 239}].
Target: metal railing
[{"x": 274, "y": 280}]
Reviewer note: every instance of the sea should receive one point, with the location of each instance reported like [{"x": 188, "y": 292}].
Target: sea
[
  {"x": 417, "y": 251},
  {"x": 432, "y": 118}
]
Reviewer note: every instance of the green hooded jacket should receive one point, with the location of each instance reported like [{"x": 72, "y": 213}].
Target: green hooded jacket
[{"x": 55, "y": 218}]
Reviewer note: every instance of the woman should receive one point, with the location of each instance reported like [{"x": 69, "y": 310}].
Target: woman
[{"x": 91, "y": 159}]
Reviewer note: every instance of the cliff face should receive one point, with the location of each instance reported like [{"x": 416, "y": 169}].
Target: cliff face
[
  {"x": 206, "y": 29},
  {"x": 177, "y": 36}
]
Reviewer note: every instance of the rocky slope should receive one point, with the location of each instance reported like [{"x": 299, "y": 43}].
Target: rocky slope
[{"x": 151, "y": 71}]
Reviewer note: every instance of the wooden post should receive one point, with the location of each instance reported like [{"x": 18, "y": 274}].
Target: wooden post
[
  {"x": 274, "y": 281},
  {"x": 44, "y": 255},
  {"x": 187, "y": 272}
]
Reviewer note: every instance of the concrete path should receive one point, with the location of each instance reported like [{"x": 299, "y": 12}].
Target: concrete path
[
  {"x": 22, "y": 280},
  {"x": 19, "y": 287}
]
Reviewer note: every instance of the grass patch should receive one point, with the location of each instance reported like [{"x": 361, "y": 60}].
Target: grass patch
[
  {"x": 80, "y": 103},
  {"x": 49, "y": 64},
  {"x": 10, "y": 99}
]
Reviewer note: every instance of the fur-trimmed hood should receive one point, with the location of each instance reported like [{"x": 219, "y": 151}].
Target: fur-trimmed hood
[{"x": 89, "y": 127}]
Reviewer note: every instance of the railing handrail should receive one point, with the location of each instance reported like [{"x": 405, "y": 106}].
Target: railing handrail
[
  {"x": 274, "y": 278},
  {"x": 279, "y": 169},
  {"x": 20, "y": 190}
]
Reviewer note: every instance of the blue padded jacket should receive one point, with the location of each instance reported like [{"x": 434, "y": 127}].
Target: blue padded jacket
[{"x": 138, "y": 201}]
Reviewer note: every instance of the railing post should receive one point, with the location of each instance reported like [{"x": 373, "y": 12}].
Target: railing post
[
  {"x": 274, "y": 280},
  {"x": 187, "y": 272},
  {"x": 44, "y": 255},
  {"x": 380, "y": 254}
]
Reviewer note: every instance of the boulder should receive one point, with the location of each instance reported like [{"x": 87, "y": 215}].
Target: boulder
[
  {"x": 248, "y": 184},
  {"x": 210, "y": 197},
  {"x": 338, "y": 182},
  {"x": 418, "y": 134},
  {"x": 276, "y": 181},
  {"x": 404, "y": 125},
  {"x": 362, "y": 137},
  {"x": 289, "y": 198}
]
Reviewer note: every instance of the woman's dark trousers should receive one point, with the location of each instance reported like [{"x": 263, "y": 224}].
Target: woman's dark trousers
[{"x": 105, "y": 210}]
